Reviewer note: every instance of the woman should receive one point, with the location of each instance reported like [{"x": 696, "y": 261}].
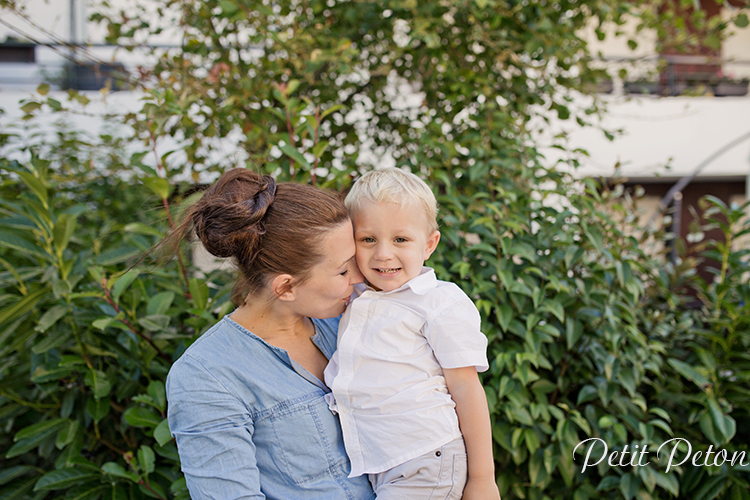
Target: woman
[{"x": 246, "y": 401}]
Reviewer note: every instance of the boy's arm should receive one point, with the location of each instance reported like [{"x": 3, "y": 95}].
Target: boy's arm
[{"x": 474, "y": 420}]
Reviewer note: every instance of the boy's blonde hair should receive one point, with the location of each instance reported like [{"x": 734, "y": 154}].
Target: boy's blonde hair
[{"x": 392, "y": 185}]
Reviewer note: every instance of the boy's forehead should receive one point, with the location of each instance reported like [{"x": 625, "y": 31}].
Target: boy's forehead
[{"x": 401, "y": 215}]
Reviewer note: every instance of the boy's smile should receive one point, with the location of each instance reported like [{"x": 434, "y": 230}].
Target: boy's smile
[{"x": 393, "y": 241}]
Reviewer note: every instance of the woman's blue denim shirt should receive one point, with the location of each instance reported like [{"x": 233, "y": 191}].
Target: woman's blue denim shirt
[{"x": 252, "y": 423}]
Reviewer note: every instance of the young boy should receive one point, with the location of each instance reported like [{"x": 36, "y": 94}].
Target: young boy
[{"x": 404, "y": 376}]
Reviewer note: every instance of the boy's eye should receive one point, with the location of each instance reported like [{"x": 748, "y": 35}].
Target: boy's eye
[
  {"x": 368, "y": 240},
  {"x": 400, "y": 240}
]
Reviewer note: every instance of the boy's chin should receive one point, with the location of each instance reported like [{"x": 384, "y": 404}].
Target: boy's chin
[{"x": 383, "y": 285}]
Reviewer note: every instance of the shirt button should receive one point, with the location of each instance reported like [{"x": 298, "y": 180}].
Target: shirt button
[
  {"x": 344, "y": 409},
  {"x": 437, "y": 453}
]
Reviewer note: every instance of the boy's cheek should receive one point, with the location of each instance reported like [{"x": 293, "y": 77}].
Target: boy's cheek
[{"x": 361, "y": 258}]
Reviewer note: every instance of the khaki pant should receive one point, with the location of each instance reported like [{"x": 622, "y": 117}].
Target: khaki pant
[{"x": 437, "y": 475}]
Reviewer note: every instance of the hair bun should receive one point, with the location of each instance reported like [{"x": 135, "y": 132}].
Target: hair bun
[
  {"x": 258, "y": 204},
  {"x": 230, "y": 220}
]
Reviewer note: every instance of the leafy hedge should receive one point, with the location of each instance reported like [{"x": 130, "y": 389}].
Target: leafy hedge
[{"x": 590, "y": 336}]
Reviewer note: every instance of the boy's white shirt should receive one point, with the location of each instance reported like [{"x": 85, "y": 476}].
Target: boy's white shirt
[{"x": 386, "y": 374}]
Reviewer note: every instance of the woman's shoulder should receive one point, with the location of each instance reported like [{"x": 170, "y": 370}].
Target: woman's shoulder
[
  {"x": 205, "y": 350},
  {"x": 326, "y": 332}
]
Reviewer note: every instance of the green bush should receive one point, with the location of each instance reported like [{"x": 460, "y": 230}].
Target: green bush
[
  {"x": 590, "y": 336},
  {"x": 86, "y": 343}
]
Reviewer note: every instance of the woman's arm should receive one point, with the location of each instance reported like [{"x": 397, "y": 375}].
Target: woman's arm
[
  {"x": 214, "y": 435},
  {"x": 474, "y": 420}
]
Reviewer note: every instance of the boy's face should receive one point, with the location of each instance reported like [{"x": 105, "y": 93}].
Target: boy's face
[{"x": 393, "y": 241}]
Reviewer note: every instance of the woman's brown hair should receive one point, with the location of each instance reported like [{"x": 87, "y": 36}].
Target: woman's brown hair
[{"x": 268, "y": 228}]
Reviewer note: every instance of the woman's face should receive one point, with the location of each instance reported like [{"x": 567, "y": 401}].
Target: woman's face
[{"x": 329, "y": 288}]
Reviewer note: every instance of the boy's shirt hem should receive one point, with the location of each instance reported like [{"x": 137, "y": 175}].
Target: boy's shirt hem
[{"x": 387, "y": 376}]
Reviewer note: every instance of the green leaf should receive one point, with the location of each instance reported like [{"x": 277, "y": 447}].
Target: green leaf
[
  {"x": 648, "y": 476},
  {"x": 153, "y": 491},
  {"x": 18, "y": 490},
  {"x": 555, "y": 307},
  {"x": 320, "y": 148},
  {"x": 42, "y": 429},
  {"x": 295, "y": 155},
  {"x": 717, "y": 416},
  {"x": 50, "y": 317},
  {"x": 42, "y": 89},
  {"x": 741, "y": 21},
  {"x": 122, "y": 283},
  {"x": 162, "y": 433},
  {"x": 21, "y": 307},
  {"x": 159, "y": 185},
  {"x": 88, "y": 491},
  {"x": 532, "y": 440},
  {"x": 64, "y": 478},
  {"x": 146, "y": 459},
  {"x": 688, "y": 372},
  {"x": 628, "y": 486},
  {"x": 504, "y": 314},
  {"x": 159, "y": 303},
  {"x": 710, "y": 489},
  {"x": 141, "y": 417},
  {"x": 98, "y": 382},
  {"x": 587, "y": 393},
  {"x": 139, "y": 228},
  {"x": 662, "y": 413},
  {"x": 31, "y": 106},
  {"x": 66, "y": 434},
  {"x": 199, "y": 292},
  {"x": 607, "y": 421},
  {"x": 15, "y": 242},
  {"x": 228, "y": 7},
  {"x": 117, "y": 255},
  {"x": 35, "y": 185},
  {"x": 158, "y": 394},
  {"x": 573, "y": 331},
  {"x": 10, "y": 473},
  {"x": 155, "y": 322},
  {"x": 42, "y": 374},
  {"x": 668, "y": 482},
  {"x": 116, "y": 470},
  {"x": 330, "y": 110},
  {"x": 572, "y": 254},
  {"x": 63, "y": 231},
  {"x": 97, "y": 408}
]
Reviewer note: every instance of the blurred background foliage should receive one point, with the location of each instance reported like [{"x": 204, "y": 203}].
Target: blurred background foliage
[{"x": 590, "y": 335}]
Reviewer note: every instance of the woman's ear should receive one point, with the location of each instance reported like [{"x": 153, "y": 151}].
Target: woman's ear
[
  {"x": 282, "y": 288},
  {"x": 432, "y": 242}
]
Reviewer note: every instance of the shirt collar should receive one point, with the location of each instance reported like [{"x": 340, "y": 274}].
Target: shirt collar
[{"x": 421, "y": 284}]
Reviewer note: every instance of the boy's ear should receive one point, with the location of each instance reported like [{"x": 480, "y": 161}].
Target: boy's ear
[
  {"x": 432, "y": 242},
  {"x": 281, "y": 286}
]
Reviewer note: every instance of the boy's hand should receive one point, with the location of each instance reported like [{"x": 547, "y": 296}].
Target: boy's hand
[{"x": 483, "y": 488}]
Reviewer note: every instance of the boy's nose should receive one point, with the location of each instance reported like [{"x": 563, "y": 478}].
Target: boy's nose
[{"x": 383, "y": 252}]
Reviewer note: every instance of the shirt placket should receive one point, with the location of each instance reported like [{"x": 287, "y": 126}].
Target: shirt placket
[{"x": 360, "y": 311}]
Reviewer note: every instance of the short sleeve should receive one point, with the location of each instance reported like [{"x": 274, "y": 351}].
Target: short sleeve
[
  {"x": 454, "y": 334},
  {"x": 214, "y": 432}
]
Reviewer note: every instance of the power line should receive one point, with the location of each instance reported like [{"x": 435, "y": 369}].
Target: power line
[{"x": 79, "y": 50}]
